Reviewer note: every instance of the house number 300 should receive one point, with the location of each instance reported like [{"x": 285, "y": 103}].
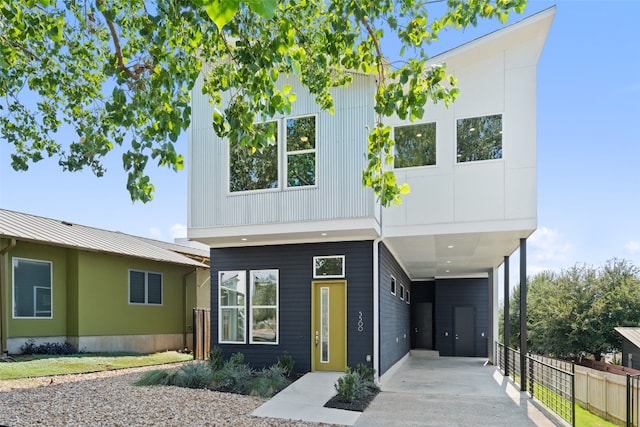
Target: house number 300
[{"x": 360, "y": 322}]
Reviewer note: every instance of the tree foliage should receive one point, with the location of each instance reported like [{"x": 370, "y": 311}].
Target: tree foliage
[
  {"x": 120, "y": 72},
  {"x": 574, "y": 312}
]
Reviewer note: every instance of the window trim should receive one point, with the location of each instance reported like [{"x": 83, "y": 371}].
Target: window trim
[
  {"x": 392, "y": 284},
  {"x": 277, "y": 306},
  {"x": 285, "y": 155},
  {"x": 242, "y": 273},
  {"x": 406, "y": 292},
  {"x": 329, "y": 276},
  {"x": 13, "y": 287},
  {"x": 401, "y": 292},
  {"x": 146, "y": 288},
  {"x": 501, "y": 158}
]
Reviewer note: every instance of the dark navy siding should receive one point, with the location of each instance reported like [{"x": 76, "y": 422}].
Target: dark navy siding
[
  {"x": 294, "y": 263},
  {"x": 423, "y": 291},
  {"x": 395, "y": 314},
  {"x": 628, "y": 348},
  {"x": 453, "y": 293}
]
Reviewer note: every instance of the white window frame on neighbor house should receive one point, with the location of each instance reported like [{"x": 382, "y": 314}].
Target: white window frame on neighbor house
[
  {"x": 401, "y": 292},
  {"x": 406, "y": 292},
  {"x": 15, "y": 263},
  {"x": 399, "y": 143},
  {"x": 146, "y": 287},
  {"x": 241, "y": 313},
  {"x": 318, "y": 275},
  {"x": 393, "y": 284},
  {"x": 282, "y": 158},
  {"x": 459, "y": 155},
  {"x": 253, "y": 307}
]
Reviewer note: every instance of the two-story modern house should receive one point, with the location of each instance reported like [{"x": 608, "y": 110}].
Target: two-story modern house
[{"x": 303, "y": 258}]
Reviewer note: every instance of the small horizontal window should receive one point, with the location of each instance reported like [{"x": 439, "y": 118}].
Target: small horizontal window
[{"x": 327, "y": 267}]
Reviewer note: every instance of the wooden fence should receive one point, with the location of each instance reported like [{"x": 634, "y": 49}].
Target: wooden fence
[
  {"x": 201, "y": 333},
  {"x": 602, "y": 393}
]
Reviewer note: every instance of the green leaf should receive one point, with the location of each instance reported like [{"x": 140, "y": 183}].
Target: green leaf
[
  {"x": 221, "y": 11},
  {"x": 264, "y": 8}
]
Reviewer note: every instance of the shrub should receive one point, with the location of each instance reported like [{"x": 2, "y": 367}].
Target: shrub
[
  {"x": 236, "y": 359},
  {"x": 234, "y": 377},
  {"x": 156, "y": 377},
  {"x": 269, "y": 381},
  {"x": 193, "y": 375},
  {"x": 285, "y": 361},
  {"x": 367, "y": 374},
  {"x": 351, "y": 386},
  {"x": 216, "y": 360},
  {"x": 48, "y": 348}
]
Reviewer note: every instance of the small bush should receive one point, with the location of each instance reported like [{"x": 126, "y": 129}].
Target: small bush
[
  {"x": 236, "y": 359},
  {"x": 156, "y": 377},
  {"x": 216, "y": 360},
  {"x": 234, "y": 377},
  {"x": 48, "y": 348},
  {"x": 367, "y": 374},
  {"x": 269, "y": 381},
  {"x": 193, "y": 375},
  {"x": 285, "y": 361},
  {"x": 351, "y": 386}
]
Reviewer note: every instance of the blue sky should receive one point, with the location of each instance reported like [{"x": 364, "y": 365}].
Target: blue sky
[{"x": 588, "y": 150}]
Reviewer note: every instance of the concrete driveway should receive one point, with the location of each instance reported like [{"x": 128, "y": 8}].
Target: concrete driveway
[{"x": 452, "y": 391}]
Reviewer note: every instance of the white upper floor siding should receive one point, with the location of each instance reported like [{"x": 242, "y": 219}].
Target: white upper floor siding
[{"x": 481, "y": 206}]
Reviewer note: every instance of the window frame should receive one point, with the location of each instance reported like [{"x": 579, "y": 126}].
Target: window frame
[
  {"x": 393, "y": 285},
  {"x": 243, "y": 274},
  {"x": 14, "y": 293},
  {"x": 401, "y": 292},
  {"x": 276, "y": 306},
  {"x": 286, "y": 152},
  {"x": 329, "y": 276},
  {"x": 435, "y": 145},
  {"x": 501, "y": 132},
  {"x": 406, "y": 292},
  {"x": 146, "y": 287}
]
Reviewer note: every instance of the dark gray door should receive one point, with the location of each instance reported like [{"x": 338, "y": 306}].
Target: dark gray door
[
  {"x": 464, "y": 327},
  {"x": 423, "y": 329}
]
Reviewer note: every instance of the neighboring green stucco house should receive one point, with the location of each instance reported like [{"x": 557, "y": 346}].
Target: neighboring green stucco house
[{"x": 100, "y": 290}]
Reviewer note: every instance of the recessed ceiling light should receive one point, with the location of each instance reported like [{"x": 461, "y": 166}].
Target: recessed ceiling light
[
  {"x": 244, "y": 239},
  {"x": 448, "y": 261},
  {"x": 304, "y": 138},
  {"x": 472, "y": 129},
  {"x": 418, "y": 135},
  {"x": 450, "y": 246},
  {"x": 323, "y": 234},
  {"x": 447, "y": 271}
]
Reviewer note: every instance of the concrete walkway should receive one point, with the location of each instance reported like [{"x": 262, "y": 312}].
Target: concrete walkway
[{"x": 446, "y": 391}]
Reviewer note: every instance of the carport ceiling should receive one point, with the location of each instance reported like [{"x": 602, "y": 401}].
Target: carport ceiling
[{"x": 454, "y": 255}]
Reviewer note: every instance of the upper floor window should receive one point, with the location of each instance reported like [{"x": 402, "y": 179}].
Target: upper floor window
[
  {"x": 261, "y": 170},
  {"x": 145, "y": 287},
  {"x": 257, "y": 171},
  {"x": 415, "y": 145},
  {"x": 32, "y": 288},
  {"x": 479, "y": 138},
  {"x": 301, "y": 151}
]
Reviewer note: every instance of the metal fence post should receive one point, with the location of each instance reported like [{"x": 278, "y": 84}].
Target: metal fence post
[{"x": 573, "y": 394}]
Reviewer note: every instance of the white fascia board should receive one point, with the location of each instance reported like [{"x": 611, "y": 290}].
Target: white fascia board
[
  {"x": 296, "y": 232},
  {"x": 526, "y": 225}
]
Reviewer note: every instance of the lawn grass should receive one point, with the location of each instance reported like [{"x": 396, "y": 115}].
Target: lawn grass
[{"x": 39, "y": 366}]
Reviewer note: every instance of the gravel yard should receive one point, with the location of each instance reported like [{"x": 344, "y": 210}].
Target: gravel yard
[{"x": 110, "y": 399}]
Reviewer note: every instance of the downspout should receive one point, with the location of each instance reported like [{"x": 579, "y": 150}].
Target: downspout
[
  {"x": 3, "y": 319},
  {"x": 376, "y": 310}
]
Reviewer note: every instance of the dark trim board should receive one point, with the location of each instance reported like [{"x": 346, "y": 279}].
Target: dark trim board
[{"x": 295, "y": 267}]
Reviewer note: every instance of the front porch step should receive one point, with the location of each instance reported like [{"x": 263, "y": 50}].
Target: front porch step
[{"x": 424, "y": 354}]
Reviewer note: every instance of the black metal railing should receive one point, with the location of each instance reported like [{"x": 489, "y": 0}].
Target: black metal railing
[
  {"x": 554, "y": 387},
  {"x": 633, "y": 400},
  {"x": 551, "y": 382}
]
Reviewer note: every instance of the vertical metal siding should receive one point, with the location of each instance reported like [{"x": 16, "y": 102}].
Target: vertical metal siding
[{"x": 340, "y": 158}]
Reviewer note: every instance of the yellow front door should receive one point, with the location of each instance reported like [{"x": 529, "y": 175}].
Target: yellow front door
[{"x": 329, "y": 326}]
